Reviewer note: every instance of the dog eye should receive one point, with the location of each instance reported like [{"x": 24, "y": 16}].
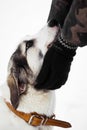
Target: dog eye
[{"x": 29, "y": 44}]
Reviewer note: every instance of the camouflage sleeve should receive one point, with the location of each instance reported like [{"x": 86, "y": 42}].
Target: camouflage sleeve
[
  {"x": 59, "y": 10},
  {"x": 75, "y": 25}
]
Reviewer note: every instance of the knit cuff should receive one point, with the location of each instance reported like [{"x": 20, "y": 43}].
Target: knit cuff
[{"x": 66, "y": 43}]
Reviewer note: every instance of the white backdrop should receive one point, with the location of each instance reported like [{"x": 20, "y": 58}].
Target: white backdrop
[{"x": 19, "y": 18}]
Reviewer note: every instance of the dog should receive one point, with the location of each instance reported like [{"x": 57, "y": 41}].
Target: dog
[{"x": 23, "y": 69}]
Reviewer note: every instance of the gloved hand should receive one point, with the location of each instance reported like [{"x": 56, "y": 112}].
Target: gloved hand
[{"x": 56, "y": 67}]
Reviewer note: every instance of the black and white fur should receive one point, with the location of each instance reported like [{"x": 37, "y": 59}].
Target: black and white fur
[{"x": 23, "y": 69}]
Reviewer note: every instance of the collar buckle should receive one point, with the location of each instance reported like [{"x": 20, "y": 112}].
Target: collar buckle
[{"x": 42, "y": 119}]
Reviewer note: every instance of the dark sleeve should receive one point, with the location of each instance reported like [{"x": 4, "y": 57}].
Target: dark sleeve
[
  {"x": 59, "y": 10},
  {"x": 75, "y": 25}
]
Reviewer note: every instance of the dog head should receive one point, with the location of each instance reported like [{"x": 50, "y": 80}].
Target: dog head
[{"x": 25, "y": 63}]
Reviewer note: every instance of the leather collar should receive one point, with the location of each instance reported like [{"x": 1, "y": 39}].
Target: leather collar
[{"x": 36, "y": 119}]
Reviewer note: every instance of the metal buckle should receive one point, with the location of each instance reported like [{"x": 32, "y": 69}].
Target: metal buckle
[
  {"x": 31, "y": 119},
  {"x": 43, "y": 122}
]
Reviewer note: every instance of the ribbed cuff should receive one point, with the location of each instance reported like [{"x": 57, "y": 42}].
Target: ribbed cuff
[{"x": 66, "y": 43}]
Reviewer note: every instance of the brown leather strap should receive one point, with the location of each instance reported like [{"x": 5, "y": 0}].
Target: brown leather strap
[{"x": 36, "y": 119}]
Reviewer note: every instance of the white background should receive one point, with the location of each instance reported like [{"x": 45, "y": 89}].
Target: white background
[{"x": 19, "y": 18}]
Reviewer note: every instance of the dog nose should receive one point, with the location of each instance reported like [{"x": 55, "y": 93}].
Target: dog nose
[{"x": 53, "y": 23}]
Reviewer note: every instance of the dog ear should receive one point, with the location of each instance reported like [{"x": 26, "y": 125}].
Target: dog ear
[
  {"x": 20, "y": 75},
  {"x": 18, "y": 78},
  {"x": 17, "y": 82},
  {"x": 14, "y": 94}
]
